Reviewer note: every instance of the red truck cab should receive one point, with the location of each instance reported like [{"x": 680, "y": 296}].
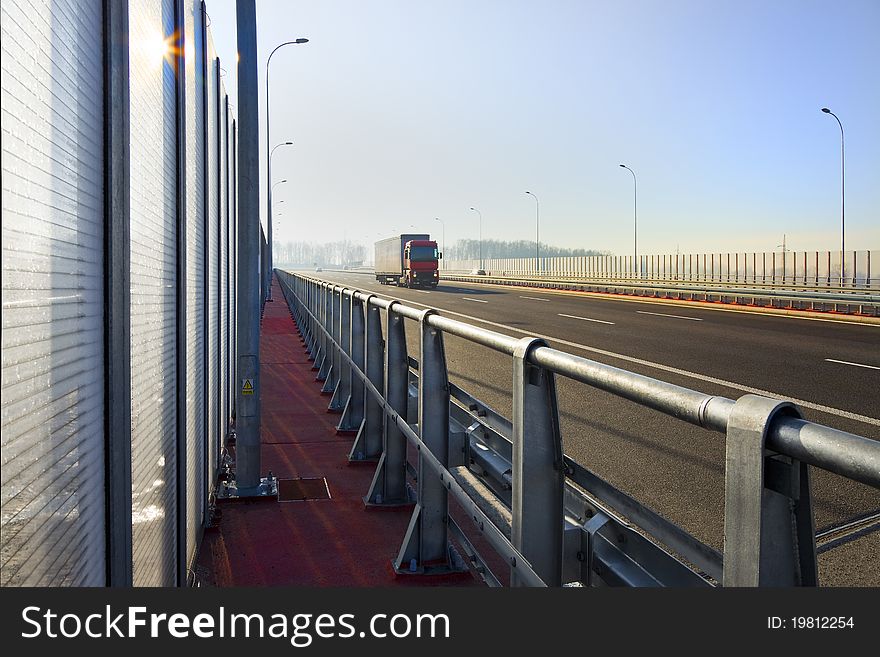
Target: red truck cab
[{"x": 420, "y": 263}]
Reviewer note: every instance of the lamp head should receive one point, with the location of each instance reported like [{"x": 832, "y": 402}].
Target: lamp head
[
  {"x": 301, "y": 40},
  {"x": 826, "y": 110},
  {"x": 623, "y": 165}
]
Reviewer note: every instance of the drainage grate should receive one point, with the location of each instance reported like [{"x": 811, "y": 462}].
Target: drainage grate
[{"x": 300, "y": 490}]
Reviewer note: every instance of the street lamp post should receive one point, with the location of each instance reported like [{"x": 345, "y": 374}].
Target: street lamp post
[
  {"x": 636, "y": 264},
  {"x": 481, "y": 236},
  {"x": 277, "y": 146},
  {"x": 842, "y": 197},
  {"x": 269, "y": 156},
  {"x": 537, "y": 233},
  {"x": 280, "y": 182},
  {"x": 443, "y": 224}
]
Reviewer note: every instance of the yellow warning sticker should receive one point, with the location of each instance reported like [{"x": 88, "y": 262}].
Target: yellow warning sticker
[{"x": 247, "y": 386}]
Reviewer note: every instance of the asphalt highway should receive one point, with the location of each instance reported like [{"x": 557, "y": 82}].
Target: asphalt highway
[{"x": 830, "y": 368}]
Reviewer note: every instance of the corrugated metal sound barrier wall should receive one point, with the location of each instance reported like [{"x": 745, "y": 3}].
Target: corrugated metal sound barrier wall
[
  {"x": 212, "y": 171},
  {"x": 53, "y": 295},
  {"x": 61, "y": 146}
]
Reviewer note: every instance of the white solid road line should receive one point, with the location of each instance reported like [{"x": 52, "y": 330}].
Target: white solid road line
[
  {"x": 645, "y": 312},
  {"x": 846, "y": 362},
  {"x": 474, "y": 300},
  {"x": 534, "y": 298},
  {"x": 586, "y": 319}
]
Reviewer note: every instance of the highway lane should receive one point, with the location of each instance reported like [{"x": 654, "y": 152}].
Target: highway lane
[{"x": 675, "y": 468}]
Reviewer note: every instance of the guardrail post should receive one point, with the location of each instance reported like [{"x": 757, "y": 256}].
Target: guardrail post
[
  {"x": 321, "y": 361},
  {"x": 538, "y": 468},
  {"x": 368, "y": 444},
  {"x": 426, "y": 547},
  {"x": 342, "y": 327},
  {"x": 353, "y": 413},
  {"x": 332, "y": 326},
  {"x": 768, "y": 519},
  {"x": 317, "y": 323},
  {"x": 303, "y": 293},
  {"x": 311, "y": 309},
  {"x": 388, "y": 487}
]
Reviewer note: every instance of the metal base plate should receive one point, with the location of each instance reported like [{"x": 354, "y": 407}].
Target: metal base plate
[{"x": 266, "y": 490}]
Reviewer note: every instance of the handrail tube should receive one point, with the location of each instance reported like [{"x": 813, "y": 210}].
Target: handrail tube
[
  {"x": 840, "y": 452},
  {"x": 677, "y": 401},
  {"x": 484, "y": 337},
  {"x": 837, "y": 451}
]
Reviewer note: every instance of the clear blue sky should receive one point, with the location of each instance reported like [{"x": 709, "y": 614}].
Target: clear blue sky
[{"x": 406, "y": 110}]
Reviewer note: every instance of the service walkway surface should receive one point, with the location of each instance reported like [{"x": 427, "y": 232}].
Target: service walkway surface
[{"x": 318, "y": 542}]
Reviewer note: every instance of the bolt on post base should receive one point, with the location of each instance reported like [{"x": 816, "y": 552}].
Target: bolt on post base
[
  {"x": 453, "y": 565},
  {"x": 375, "y": 500}
]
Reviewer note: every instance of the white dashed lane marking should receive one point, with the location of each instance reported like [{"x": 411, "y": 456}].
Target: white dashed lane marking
[{"x": 586, "y": 319}]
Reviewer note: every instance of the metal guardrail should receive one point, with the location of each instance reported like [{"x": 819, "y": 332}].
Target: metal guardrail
[
  {"x": 851, "y": 301},
  {"x": 552, "y": 520}
]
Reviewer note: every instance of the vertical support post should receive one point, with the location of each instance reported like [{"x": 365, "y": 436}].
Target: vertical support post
[
  {"x": 247, "y": 446},
  {"x": 388, "y": 487},
  {"x": 425, "y": 547},
  {"x": 331, "y": 319},
  {"x": 538, "y": 470},
  {"x": 117, "y": 295},
  {"x": 312, "y": 308},
  {"x": 342, "y": 391},
  {"x": 768, "y": 519},
  {"x": 304, "y": 321},
  {"x": 181, "y": 306},
  {"x": 320, "y": 338},
  {"x": 368, "y": 443},
  {"x": 353, "y": 413}
]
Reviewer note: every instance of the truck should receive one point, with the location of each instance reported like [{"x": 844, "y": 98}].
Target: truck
[{"x": 408, "y": 260}]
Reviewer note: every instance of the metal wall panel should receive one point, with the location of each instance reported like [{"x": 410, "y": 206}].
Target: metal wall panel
[
  {"x": 212, "y": 268},
  {"x": 195, "y": 291},
  {"x": 153, "y": 293},
  {"x": 223, "y": 252},
  {"x": 230, "y": 319},
  {"x": 233, "y": 314},
  {"x": 53, "y": 519}
]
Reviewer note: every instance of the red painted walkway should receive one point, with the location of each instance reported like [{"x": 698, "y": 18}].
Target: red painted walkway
[{"x": 335, "y": 542}]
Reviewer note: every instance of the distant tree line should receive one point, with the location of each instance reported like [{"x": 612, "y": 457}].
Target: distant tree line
[
  {"x": 311, "y": 254},
  {"x": 496, "y": 249}
]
